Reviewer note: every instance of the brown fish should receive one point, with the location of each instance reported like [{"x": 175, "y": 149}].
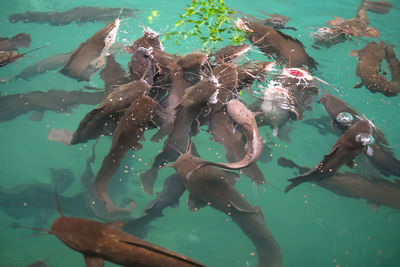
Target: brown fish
[
  {"x": 379, "y": 7},
  {"x": 353, "y": 185},
  {"x": 80, "y": 15},
  {"x": 244, "y": 118},
  {"x": 195, "y": 98},
  {"x": 89, "y": 57},
  {"x": 127, "y": 134},
  {"x": 99, "y": 242},
  {"x": 357, "y": 26},
  {"x": 369, "y": 66},
  {"x": 349, "y": 145},
  {"x": 172, "y": 68},
  {"x": 7, "y": 57},
  {"x": 223, "y": 131},
  {"x": 113, "y": 74},
  {"x": 209, "y": 185},
  {"x": 12, "y": 106},
  {"x": 149, "y": 39},
  {"x": 383, "y": 157},
  {"x": 172, "y": 190},
  {"x": 43, "y": 66},
  {"x": 289, "y": 51},
  {"x": 109, "y": 111},
  {"x": 12, "y": 44}
]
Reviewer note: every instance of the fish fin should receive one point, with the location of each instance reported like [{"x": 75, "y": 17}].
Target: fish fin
[
  {"x": 232, "y": 177},
  {"x": 358, "y": 85},
  {"x": 194, "y": 203},
  {"x": 93, "y": 261},
  {"x": 36, "y": 116},
  {"x": 233, "y": 204},
  {"x": 329, "y": 155}
]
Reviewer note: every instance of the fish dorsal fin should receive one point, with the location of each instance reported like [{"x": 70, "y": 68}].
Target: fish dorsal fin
[{"x": 93, "y": 261}]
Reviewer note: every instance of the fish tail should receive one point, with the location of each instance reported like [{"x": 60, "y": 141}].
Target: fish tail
[{"x": 295, "y": 182}]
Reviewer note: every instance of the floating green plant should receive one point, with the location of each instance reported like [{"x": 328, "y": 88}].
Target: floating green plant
[{"x": 209, "y": 20}]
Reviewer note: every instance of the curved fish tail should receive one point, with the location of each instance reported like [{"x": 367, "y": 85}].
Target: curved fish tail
[{"x": 295, "y": 182}]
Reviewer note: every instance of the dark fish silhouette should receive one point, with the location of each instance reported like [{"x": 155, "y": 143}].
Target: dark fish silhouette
[
  {"x": 172, "y": 190},
  {"x": 100, "y": 242},
  {"x": 89, "y": 57},
  {"x": 12, "y": 106},
  {"x": 212, "y": 93},
  {"x": 369, "y": 66},
  {"x": 383, "y": 157},
  {"x": 349, "y": 145},
  {"x": 130, "y": 129},
  {"x": 274, "y": 20},
  {"x": 45, "y": 65},
  {"x": 209, "y": 185},
  {"x": 376, "y": 190},
  {"x": 113, "y": 74},
  {"x": 272, "y": 42},
  {"x": 80, "y": 15},
  {"x": 36, "y": 200},
  {"x": 379, "y": 7},
  {"x": 12, "y": 44}
]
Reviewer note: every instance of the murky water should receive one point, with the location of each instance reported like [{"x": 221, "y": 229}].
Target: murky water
[{"x": 313, "y": 226}]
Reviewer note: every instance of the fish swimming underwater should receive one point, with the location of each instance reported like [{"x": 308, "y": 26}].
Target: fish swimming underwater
[
  {"x": 209, "y": 185},
  {"x": 348, "y": 184},
  {"x": 89, "y": 57},
  {"x": 369, "y": 66},
  {"x": 12, "y": 44},
  {"x": 353, "y": 141},
  {"x": 80, "y": 15}
]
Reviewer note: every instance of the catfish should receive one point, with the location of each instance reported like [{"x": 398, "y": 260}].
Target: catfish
[
  {"x": 209, "y": 185},
  {"x": 353, "y": 141}
]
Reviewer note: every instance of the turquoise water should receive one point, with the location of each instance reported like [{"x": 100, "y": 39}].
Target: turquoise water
[{"x": 313, "y": 227}]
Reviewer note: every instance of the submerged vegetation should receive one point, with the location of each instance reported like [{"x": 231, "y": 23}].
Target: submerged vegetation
[{"x": 211, "y": 21}]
